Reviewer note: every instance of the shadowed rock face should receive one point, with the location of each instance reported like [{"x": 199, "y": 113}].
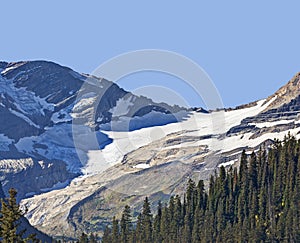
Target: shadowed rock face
[
  {"x": 30, "y": 93},
  {"x": 47, "y": 80}
]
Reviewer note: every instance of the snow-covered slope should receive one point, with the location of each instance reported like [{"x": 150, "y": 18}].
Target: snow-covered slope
[{"x": 42, "y": 107}]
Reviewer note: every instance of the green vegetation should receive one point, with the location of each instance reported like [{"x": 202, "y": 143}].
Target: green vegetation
[
  {"x": 259, "y": 202},
  {"x": 10, "y": 216}
]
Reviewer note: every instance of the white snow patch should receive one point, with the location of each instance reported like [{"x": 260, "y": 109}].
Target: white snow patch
[
  {"x": 42, "y": 164},
  {"x": 142, "y": 166},
  {"x": 228, "y": 163},
  {"x": 15, "y": 165},
  {"x": 233, "y": 142},
  {"x": 271, "y": 124},
  {"x": 8, "y": 69}
]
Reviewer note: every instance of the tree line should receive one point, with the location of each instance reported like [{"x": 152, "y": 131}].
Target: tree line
[{"x": 257, "y": 202}]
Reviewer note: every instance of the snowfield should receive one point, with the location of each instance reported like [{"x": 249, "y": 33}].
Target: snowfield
[{"x": 196, "y": 124}]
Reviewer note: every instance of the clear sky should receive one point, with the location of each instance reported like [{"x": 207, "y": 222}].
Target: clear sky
[{"x": 248, "y": 49}]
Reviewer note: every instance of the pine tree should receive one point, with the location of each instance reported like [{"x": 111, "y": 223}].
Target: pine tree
[
  {"x": 165, "y": 224},
  {"x": 126, "y": 225},
  {"x": 10, "y": 220},
  {"x": 139, "y": 231},
  {"x": 173, "y": 224},
  {"x": 146, "y": 222},
  {"x": 197, "y": 226},
  {"x": 157, "y": 232},
  {"x": 115, "y": 231},
  {"x": 187, "y": 231}
]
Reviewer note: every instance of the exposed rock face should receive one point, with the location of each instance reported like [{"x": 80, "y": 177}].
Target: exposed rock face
[
  {"x": 30, "y": 176},
  {"x": 288, "y": 112},
  {"x": 286, "y": 93}
]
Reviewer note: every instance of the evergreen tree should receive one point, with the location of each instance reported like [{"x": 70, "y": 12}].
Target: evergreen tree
[
  {"x": 157, "y": 232},
  {"x": 115, "y": 231},
  {"x": 165, "y": 225},
  {"x": 10, "y": 220},
  {"x": 146, "y": 222},
  {"x": 126, "y": 225},
  {"x": 139, "y": 231}
]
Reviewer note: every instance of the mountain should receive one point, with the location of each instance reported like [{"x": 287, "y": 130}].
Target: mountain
[
  {"x": 39, "y": 101},
  {"x": 49, "y": 112}
]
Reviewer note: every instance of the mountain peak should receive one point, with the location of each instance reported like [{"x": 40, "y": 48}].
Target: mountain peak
[{"x": 286, "y": 93}]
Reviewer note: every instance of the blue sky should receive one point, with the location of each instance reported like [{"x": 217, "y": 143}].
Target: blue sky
[{"x": 248, "y": 49}]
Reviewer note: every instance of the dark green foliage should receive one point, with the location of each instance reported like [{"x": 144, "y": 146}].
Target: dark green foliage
[
  {"x": 145, "y": 232},
  {"x": 10, "y": 224},
  {"x": 126, "y": 225},
  {"x": 259, "y": 202},
  {"x": 115, "y": 231}
]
